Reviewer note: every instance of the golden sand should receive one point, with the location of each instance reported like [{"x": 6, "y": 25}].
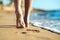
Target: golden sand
[{"x": 9, "y": 32}]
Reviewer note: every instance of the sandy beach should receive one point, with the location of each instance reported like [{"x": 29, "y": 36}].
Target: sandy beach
[{"x": 8, "y": 30}]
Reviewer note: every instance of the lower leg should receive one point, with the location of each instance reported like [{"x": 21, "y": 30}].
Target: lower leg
[
  {"x": 28, "y": 8},
  {"x": 18, "y": 11}
]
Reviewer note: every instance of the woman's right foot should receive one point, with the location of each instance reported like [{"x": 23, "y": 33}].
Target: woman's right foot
[
  {"x": 19, "y": 21},
  {"x": 20, "y": 25}
]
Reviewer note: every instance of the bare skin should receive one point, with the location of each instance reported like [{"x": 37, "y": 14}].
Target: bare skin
[
  {"x": 28, "y": 8},
  {"x": 20, "y": 22},
  {"x": 19, "y": 17}
]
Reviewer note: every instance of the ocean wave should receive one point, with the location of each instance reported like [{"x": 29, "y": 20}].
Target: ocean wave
[{"x": 41, "y": 21}]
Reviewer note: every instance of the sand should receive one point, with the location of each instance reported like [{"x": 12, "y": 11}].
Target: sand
[{"x": 8, "y": 30}]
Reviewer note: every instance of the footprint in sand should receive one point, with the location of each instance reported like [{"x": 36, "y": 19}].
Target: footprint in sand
[
  {"x": 30, "y": 30},
  {"x": 16, "y": 32},
  {"x": 24, "y": 32},
  {"x": 33, "y": 30}
]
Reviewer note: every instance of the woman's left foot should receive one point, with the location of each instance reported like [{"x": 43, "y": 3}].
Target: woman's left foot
[{"x": 26, "y": 22}]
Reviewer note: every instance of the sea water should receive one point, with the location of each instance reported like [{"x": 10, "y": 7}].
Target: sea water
[
  {"x": 6, "y": 2},
  {"x": 49, "y": 20}
]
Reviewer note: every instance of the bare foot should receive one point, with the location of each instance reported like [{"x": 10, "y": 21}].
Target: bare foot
[
  {"x": 20, "y": 25},
  {"x": 19, "y": 22},
  {"x": 26, "y": 22}
]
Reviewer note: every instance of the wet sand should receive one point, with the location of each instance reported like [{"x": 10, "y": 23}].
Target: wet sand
[{"x": 8, "y": 30}]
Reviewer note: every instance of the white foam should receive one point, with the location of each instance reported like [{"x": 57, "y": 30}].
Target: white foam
[{"x": 52, "y": 25}]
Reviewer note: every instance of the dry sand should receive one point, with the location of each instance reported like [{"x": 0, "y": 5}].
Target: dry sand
[{"x": 9, "y": 32}]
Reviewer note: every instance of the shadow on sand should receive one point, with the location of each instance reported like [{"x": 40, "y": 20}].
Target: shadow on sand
[{"x": 7, "y": 26}]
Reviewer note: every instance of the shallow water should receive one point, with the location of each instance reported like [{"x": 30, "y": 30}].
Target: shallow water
[{"x": 41, "y": 20}]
